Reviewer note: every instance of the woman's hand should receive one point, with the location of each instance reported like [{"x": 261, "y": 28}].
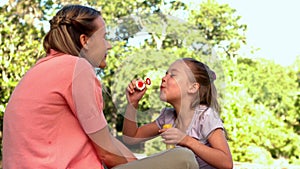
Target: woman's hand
[
  {"x": 134, "y": 96},
  {"x": 172, "y": 135}
]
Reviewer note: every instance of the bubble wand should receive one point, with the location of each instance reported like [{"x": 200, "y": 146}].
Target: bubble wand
[{"x": 141, "y": 84}]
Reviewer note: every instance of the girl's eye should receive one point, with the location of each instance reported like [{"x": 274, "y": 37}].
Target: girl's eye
[{"x": 171, "y": 74}]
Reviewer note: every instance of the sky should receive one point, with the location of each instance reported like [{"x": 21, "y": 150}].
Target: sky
[{"x": 273, "y": 26}]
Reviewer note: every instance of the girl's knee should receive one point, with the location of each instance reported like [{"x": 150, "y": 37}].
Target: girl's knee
[{"x": 185, "y": 156}]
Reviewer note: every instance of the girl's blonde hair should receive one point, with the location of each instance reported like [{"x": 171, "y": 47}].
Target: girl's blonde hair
[
  {"x": 205, "y": 77},
  {"x": 66, "y": 27}
]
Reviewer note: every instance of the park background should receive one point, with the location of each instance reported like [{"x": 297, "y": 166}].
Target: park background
[{"x": 260, "y": 97}]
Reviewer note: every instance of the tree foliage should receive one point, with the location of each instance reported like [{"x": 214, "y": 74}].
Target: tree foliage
[
  {"x": 250, "y": 115},
  {"x": 220, "y": 26}
]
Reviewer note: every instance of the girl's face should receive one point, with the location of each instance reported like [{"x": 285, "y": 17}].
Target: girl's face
[
  {"x": 97, "y": 45},
  {"x": 175, "y": 83}
]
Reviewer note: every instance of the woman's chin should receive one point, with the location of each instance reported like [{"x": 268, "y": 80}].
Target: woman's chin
[{"x": 102, "y": 65}]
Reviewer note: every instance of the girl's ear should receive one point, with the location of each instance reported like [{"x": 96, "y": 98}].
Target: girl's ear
[
  {"x": 194, "y": 88},
  {"x": 83, "y": 40}
]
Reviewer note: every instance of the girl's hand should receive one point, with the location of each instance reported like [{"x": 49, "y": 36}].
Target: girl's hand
[
  {"x": 172, "y": 135},
  {"x": 134, "y": 96}
]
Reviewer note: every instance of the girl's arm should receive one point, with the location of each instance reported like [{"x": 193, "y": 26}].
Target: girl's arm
[
  {"x": 133, "y": 134},
  {"x": 218, "y": 155}
]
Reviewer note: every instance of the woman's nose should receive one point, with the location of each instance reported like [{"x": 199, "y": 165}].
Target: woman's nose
[{"x": 108, "y": 45}]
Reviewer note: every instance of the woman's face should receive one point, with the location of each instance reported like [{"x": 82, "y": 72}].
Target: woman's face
[
  {"x": 175, "y": 83},
  {"x": 97, "y": 46}
]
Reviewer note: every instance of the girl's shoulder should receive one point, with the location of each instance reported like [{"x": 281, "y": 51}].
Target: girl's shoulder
[
  {"x": 168, "y": 113},
  {"x": 167, "y": 116},
  {"x": 204, "y": 122},
  {"x": 167, "y": 110},
  {"x": 203, "y": 112}
]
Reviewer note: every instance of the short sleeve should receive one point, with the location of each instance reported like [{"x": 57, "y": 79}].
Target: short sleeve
[
  {"x": 210, "y": 122},
  {"x": 87, "y": 96},
  {"x": 166, "y": 116}
]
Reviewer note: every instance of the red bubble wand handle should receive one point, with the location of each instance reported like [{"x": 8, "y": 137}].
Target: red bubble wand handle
[{"x": 141, "y": 84}]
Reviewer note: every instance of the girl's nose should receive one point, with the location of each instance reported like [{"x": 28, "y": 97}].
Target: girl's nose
[{"x": 164, "y": 78}]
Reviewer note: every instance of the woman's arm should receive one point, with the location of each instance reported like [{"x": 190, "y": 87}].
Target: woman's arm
[
  {"x": 110, "y": 150},
  {"x": 218, "y": 155}
]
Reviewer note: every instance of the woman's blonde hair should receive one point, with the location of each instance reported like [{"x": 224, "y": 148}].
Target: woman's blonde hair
[{"x": 66, "y": 27}]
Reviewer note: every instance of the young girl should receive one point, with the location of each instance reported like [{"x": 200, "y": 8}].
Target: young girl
[{"x": 189, "y": 87}]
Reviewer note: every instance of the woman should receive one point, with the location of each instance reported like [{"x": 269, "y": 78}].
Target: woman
[{"x": 54, "y": 118}]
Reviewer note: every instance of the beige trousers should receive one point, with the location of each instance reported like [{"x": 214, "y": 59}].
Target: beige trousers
[{"x": 176, "y": 158}]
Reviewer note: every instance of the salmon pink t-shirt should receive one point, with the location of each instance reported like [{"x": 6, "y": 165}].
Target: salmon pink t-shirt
[{"x": 49, "y": 114}]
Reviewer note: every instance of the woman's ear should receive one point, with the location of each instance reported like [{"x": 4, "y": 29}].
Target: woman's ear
[
  {"x": 194, "y": 88},
  {"x": 84, "y": 41}
]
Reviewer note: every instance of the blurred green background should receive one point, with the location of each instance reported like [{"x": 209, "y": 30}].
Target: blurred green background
[{"x": 260, "y": 99}]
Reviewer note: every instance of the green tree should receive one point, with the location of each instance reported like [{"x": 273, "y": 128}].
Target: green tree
[
  {"x": 253, "y": 122},
  {"x": 273, "y": 86},
  {"x": 296, "y": 68},
  {"x": 220, "y": 25}
]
